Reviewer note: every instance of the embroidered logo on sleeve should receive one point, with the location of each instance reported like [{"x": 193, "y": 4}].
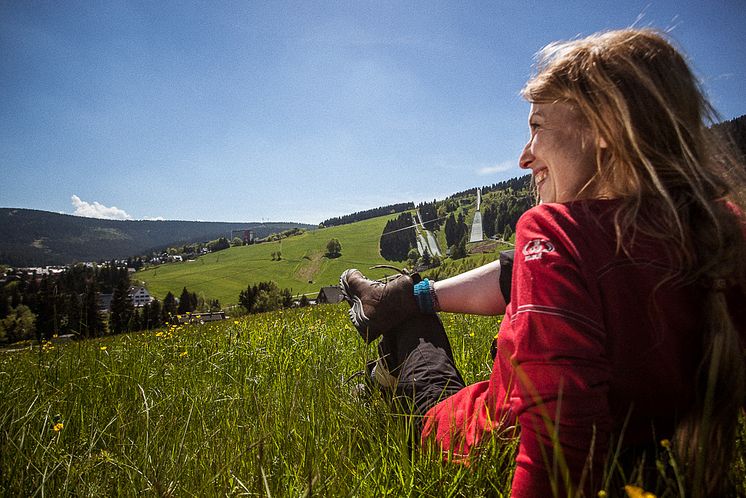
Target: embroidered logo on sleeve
[{"x": 535, "y": 248}]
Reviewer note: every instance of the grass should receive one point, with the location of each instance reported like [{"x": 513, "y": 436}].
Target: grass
[
  {"x": 303, "y": 267},
  {"x": 257, "y": 406}
]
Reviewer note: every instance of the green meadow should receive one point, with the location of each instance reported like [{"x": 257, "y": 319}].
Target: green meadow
[
  {"x": 257, "y": 406},
  {"x": 262, "y": 405},
  {"x": 303, "y": 268}
]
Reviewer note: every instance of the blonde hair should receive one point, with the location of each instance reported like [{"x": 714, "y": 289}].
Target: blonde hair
[{"x": 677, "y": 183}]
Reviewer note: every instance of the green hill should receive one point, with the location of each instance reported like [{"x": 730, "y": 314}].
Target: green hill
[{"x": 303, "y": 267}]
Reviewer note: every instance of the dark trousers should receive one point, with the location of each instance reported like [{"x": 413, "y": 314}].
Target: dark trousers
[{"x": 419, "y": 355}]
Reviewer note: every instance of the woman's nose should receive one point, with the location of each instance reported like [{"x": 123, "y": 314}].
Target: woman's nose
[{"x": 526, "y": 157}]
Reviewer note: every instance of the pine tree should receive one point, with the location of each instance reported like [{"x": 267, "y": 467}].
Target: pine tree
[
  {"x": 74, "y": 312},
  {"x": 45, "y": 310},
  {"x": 458, "y": 251},
  {"x": 169, "y": 307},
  {"x": 154, "y": 318},
  {"x": 145, "y": 317},
  {"x": 121, "y": 308},
  {"x": 451, "y": 230},
  {"x": 186, "y": 304},
  {"x": 91, "y": 324},
  {"x": 426, "y": 258},
  {"x": 134, "y": 322}
]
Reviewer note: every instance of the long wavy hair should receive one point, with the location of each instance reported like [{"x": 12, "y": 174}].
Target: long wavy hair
[{"x": 677, "y": 183}]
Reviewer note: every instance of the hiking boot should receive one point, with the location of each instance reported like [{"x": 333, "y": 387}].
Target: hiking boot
[{"x": 377, "y": 307}]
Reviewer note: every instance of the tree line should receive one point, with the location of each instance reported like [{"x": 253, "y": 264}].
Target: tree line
[
  {"x": 266, "y": 296},
  {"x": 398, "y": 238},
  {"x": 40, "y": 308},
  {"x": 429, "y": 215},
  {"x": 517, "y": 184},
  {"x": 365, "y": 215},
  {"x": 500, "y": 213}
]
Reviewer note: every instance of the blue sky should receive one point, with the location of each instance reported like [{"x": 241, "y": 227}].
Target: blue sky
[{"x": 294, "y": 111}]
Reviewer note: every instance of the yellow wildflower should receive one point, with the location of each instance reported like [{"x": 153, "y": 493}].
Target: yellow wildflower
[
  {"x": 637, "y": 492},
  {"x": 602, "y": 494},
  {"x": 58, "y": 426},
  {"x": 235, "y": 322},
  {"x": 183, "y": 354},
  {"x": 102, "y": 348},
  {"x": 666, "y": 443},
  {"x": 159, "y": 334}
]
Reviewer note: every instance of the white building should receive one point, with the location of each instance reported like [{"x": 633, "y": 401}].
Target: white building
[{"x": 140, "y": 296}]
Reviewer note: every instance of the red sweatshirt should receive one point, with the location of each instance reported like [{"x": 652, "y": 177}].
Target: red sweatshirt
[{"x": 589, "y": 339}]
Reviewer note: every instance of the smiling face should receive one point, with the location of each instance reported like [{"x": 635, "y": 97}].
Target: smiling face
[{"x": 561, "y": 153}]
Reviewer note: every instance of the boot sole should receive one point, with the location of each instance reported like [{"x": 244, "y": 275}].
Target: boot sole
[{"x": 357, "y": 317}]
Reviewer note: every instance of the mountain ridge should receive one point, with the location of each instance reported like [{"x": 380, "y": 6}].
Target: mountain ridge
[{"x": 32, "y": 237}]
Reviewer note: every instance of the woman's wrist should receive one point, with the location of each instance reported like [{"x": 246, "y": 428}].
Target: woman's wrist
[{"x": 427, "y": 299}]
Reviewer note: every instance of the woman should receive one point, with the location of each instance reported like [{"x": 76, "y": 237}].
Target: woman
[{"x": 626, "y": 324}]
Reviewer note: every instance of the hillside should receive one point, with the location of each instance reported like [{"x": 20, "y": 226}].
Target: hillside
[
  {"x": 303, "y": 267},
  {"x": 33, "y": 238}
]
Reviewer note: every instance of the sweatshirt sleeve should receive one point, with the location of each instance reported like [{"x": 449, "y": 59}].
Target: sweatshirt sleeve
[{"x": 556, "y": 347}]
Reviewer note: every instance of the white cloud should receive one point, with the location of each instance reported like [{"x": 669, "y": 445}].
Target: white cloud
[
  {"x": 154, "y": 218},
  {"x": 97, "y": 210},
  {"x": 498, "y": 168}
]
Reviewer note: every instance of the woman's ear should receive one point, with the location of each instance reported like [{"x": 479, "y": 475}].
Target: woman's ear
[{"x": 601, "y": 143}]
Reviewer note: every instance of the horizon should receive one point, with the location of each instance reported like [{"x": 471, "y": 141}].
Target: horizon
[
  {"x": 293, "y": 111},
  {"x": 249, "y": 221}
]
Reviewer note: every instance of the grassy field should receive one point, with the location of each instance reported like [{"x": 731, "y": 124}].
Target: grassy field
[
  {"x": 258, "y": 406},
  {"x": 303, "y": 267}
]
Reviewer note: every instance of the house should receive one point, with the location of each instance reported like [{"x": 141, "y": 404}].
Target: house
[
  {"x": 330, "y": 295},
  {"x": 140, "y": 296},
  {"x": 201, "y": 317}
]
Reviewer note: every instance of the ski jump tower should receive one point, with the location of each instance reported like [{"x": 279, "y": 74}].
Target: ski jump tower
[{"x": 476, "y": 225}]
